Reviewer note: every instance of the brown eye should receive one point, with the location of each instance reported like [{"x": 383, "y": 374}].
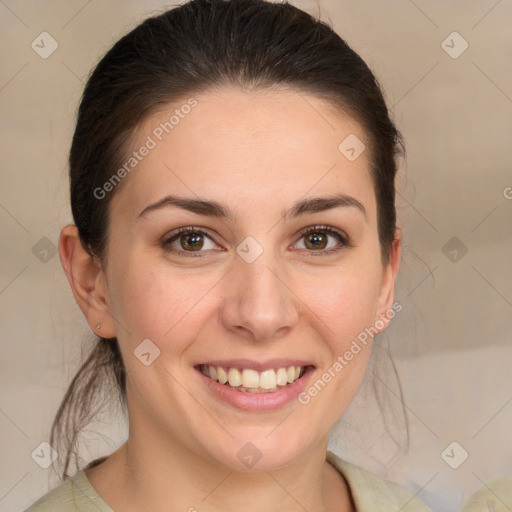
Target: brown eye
[
  {"x": 316, "y": 241},
  {"x": 323, "y": 240},
  {"x": 189, "y": 240}
]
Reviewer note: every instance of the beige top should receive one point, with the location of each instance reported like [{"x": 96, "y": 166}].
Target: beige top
[
  {"x": 370, "y": 493},
  {"x": 493, "y": 496}
]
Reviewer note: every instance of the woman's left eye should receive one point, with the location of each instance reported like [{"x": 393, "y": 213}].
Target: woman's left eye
[{"x": 317, "y": 239}]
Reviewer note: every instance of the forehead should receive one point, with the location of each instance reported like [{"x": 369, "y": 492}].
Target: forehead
[{"x": 249, "y": 146}]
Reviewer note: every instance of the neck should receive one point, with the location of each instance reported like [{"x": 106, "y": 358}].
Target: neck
[{"x": 143, "y": 475}]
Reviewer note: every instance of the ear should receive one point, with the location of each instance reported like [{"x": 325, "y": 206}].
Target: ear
[
  {"x": 387, "y": 291},
  {"x": 87, "y": 281}
]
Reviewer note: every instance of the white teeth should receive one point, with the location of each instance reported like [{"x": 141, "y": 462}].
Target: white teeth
[
  {"x": 250, "y": 378},
  {"x": 281, "y": 377},
  {"x": 235, "y": 378},
  {"x": 251, "y": 381},
  {"x": 222, "y": 375},
  {"x": 268, "y": 379}
]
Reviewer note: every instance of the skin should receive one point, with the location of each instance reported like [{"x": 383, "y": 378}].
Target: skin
[{"x": 257, "y": 153}]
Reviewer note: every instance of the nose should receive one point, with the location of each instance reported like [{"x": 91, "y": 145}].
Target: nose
[{"x": 259, "y": 304}]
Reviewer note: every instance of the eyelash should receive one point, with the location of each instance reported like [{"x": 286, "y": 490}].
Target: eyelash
[{"x": 343, "y": 239}]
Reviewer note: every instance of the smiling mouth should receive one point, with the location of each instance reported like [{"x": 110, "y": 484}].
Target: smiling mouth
[{"x": 247, "y": 380}]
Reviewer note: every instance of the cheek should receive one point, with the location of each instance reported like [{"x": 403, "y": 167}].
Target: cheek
[
  {"x": 344, "y": 301},
  {"x": 154, "y": 301},
  {"x": 342, "y": 310}
]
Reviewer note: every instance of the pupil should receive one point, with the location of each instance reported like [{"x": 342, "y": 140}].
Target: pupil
[
  {"x": 192, "y": 241},
  {"x": 315, "y": 238}
]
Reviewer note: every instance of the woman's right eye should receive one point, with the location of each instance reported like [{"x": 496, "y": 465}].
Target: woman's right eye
[{"x": 187, "y": 241}]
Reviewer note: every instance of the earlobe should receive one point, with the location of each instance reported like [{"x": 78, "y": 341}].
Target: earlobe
[{"x": 87, "y": 280}]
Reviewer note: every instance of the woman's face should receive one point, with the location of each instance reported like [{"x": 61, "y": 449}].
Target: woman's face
[{"x": 247, "y": 290}]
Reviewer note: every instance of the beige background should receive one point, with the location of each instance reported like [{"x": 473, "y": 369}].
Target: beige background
[{"x": 452, "y": 340}]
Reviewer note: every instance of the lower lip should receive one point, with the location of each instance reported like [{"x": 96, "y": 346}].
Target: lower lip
[{"x": 257, "y": 401}]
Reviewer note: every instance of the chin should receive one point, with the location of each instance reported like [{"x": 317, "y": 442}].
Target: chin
[{"x": 263, "y": 450}]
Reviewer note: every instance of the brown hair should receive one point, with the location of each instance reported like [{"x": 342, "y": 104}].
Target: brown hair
[{"x": 252, "y": 44}]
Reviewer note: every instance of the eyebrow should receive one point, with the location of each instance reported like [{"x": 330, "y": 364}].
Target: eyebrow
[
  {"x": 216, "y": 209},
  {"x": 320, "y": 204}
]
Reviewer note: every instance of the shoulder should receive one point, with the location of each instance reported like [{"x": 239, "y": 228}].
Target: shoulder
[
  {"x": 73, "y": 495},
  {"x": 495, "y": 495},
  {"x": 60, "y": 498},
  {"x": 370, "y": 491}
]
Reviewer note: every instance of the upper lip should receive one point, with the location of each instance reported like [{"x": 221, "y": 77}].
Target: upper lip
[{"x": 256, "y": 365}]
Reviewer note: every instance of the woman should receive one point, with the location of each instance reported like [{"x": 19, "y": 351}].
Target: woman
[{"x": 235, "y": 250}]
